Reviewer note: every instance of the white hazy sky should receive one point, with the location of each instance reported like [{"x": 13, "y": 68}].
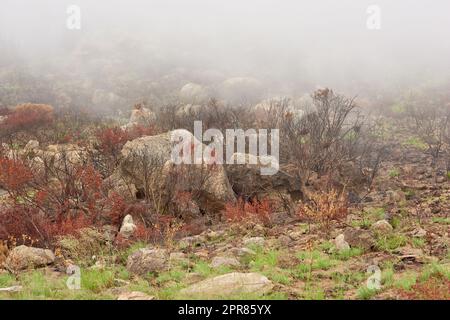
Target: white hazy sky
[{"x": 321, "y": 40}]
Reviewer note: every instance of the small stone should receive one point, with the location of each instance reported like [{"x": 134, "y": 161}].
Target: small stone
[
  {"x": 259, "y": 228},
  {"x": 145, "y": 261},
  {"x": 284, "y": 240},
  {"x": 11, "y": 289},
  {"x": 178, "y": 258},
  {"x": 224, "y": 262},
  {"x": 193, "y": 277},
  {"x": 241, "y": 252},
  {"x": 340, "y": 243},
  {"x": 128, "y": 227},
  {"x": 359, "y": 238},
  {"x": 193, "y": 241},
  {"x": 120, "y": 282},
  {"x": 255, "y": 241},
  {"x": 382, "y": 227},
  {"x": 419, "y": 233},
  {"x": 135, "y": 295},
  {"x": 440, "y": 179}
]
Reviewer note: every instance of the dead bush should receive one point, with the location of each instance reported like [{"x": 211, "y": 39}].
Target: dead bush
[{"x": 324, "y": 208}]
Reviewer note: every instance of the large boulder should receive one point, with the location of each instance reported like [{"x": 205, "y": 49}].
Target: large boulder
[
  {"x": 146, "y": 260},
  {"x": 194, "y": 93},
  {"x": 359, "y": 238},
  {"x": 230, "y": 284},
  {"x": 141, "y": 116},
  {"x": 148, "y": 164},
  {"x": 247, "y": 179},
  {"x": 23, "y": 257},
  {"x": 269, "y": 110}
]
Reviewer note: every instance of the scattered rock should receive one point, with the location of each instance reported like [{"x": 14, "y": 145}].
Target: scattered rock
[
  {"x": 23, "y": 257},
  {"x": 177, "y": 258},
  {"x": 193, "y": 241},
  {"x": 382, "y": 227},
  {"x": 411, "y": 255},
  {"x": 254, "y": 241},
  {"x": 146, "y": 260},
  {"x": 230, "y": 284},
  {"x": 241, "y": 252},
  {"x": 418, "y": 233},
  {"x": 284, "y": 240},
  {"x": 193, "y": 277},
  {"x": 440, "y": 179},
  {"x": 396, "y": 196},
  {"x": 128, "y": 227},
  {"x": 340, "y": 243},
  {"x": 224, "y": 262},
  {"x": 11, "y": 289},
  {"x": 135, "y": 295},
  {"x": 121, "y": 282},
  {"x": 359, "y": 238}
]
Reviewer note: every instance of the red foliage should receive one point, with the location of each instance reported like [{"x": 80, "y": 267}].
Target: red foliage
[
  {"x": 255, "y": 210},
  {"x": 111, "y": 140},
  {"x": 17, "y": 221},
  {"x": 118, "y": 209},
  {"x": 435, "y": 288},
  {"x": 140, "y": 130},
  {"x": 28, "y": 116},
  {"x": 14, "y": 175}
]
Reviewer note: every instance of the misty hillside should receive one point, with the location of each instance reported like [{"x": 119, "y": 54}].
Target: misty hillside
[{"x": 166, "y": 150}]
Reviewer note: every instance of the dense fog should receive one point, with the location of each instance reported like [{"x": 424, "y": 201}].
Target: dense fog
[{"x": 155, "y": 47}]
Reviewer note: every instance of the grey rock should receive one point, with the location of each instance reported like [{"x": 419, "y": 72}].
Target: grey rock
[
  {"x": 229, "y": 284},
  {"x": 144, "y": 261}
]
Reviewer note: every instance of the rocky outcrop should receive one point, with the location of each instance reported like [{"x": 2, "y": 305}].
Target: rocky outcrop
[
  {"x": 247, "y": 179},
  {"x": 148, "y": 164}
]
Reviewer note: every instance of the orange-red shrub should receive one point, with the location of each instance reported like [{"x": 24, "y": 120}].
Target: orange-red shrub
[
  {"x": 323, "y": 208},
  {"x": 14, "y": 175},
  {"x": 255, "y": 210},
  {"x": 435, "y": 288},
  {"x": 28, "y": 116}
]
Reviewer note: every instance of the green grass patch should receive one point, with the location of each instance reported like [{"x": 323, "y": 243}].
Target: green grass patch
[
  {"x": 364, "y": 293},
  {"x": 394, "y": 173},
  {"x": 391, "y": 242},
  {"x": 345, "y": 255},
  {"x": 406, "y": 281},
  {"x": 416, "y": 142}
]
